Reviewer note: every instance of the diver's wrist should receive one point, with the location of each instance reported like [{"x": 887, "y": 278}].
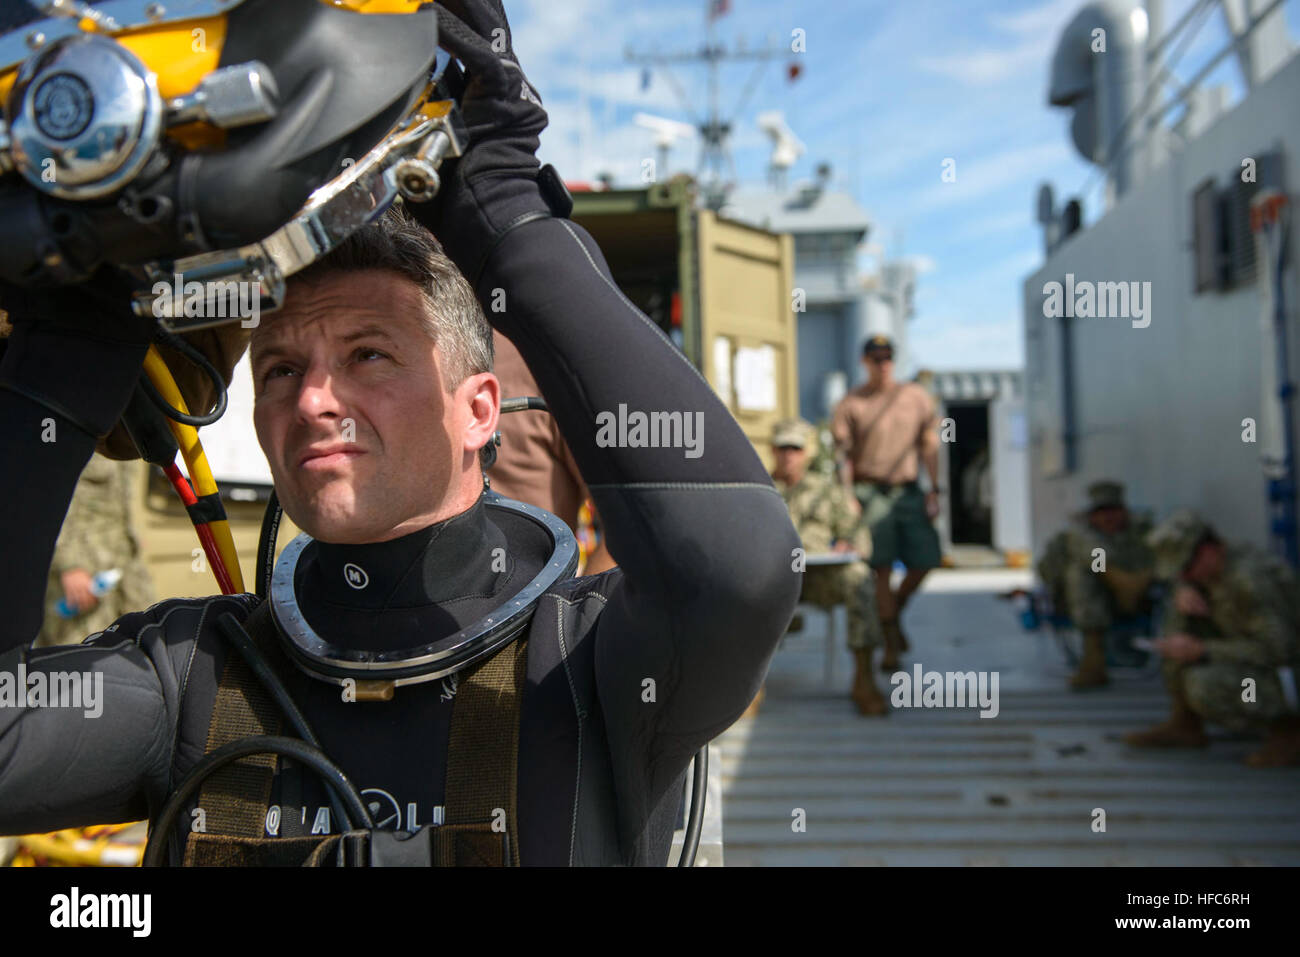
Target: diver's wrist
[
  {"x": 84, "y": 381},
  {"x": 487, "y": 210}
]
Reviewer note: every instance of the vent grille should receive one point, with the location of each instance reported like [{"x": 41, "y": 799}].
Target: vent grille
[{"x": 1223, "y": 245}]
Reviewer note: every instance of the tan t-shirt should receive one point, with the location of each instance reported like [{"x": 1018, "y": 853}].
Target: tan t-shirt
[
  {"x": 882, "y": 433},
  {"x": 534, "y": 464}
]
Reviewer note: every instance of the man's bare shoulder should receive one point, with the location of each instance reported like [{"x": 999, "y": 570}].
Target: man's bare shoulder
[
  {"x": 916, "y": 392},
  {"x": 854, "y": 398}
]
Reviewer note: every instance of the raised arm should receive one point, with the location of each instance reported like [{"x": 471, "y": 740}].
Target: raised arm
[
  {"x": 68, "y": 369},
  {"x": 703, "y": 539}
]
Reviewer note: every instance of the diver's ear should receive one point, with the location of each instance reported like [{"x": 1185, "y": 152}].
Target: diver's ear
[{"x": 480, "y": 397}]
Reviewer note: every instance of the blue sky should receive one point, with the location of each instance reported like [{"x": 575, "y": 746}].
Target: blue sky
[{"x": 888, "y": 91}]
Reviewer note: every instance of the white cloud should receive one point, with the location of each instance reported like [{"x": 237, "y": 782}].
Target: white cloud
[
  {"x": 545, "y": 32},
  {"x": 574, "y": 53},
  {"x": 1013, "y": 268},
  {"x": 1012, "y": 220},
  {"x": 954, "y": 344},
  {"x": 863, "y": 104},
  {"x": 1035, "y": 30},
  {"x": 922, "y": 264},
  {"x": 972, "y": 318},
  {"x": 983, "y": 66},
  {"x": 1044, "y": 20},
  {"x": 977, "y": 178},
  {"x": 989, "y": 287}
]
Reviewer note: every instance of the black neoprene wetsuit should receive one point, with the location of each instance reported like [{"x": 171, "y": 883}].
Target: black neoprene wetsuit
[{"x": 703, "y": 591}]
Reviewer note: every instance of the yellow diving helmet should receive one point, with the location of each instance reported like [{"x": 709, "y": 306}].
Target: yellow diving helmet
[{"x": 226, "y": 140}]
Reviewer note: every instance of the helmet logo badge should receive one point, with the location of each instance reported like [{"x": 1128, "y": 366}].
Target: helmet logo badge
[
  {"x": 64, "y": 106},
  {"x": 355, "y": 576}
]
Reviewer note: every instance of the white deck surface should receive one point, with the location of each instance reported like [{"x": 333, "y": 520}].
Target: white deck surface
[{"x": 943, "y": 786}]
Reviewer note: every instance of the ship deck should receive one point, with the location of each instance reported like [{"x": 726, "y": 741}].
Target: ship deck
[{"x": 942, "y": 786}]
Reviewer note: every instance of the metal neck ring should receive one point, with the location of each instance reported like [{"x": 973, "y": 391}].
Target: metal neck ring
[{"x": 326, "y": 661}]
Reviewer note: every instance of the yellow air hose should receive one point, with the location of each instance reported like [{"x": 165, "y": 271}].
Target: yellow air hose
[
  {"x": 94, "y": 846},
  {"x": 196, "y": 460}
]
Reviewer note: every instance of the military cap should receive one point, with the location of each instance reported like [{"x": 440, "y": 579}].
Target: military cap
[
  {"x": 1174, "y": 541},
  {"x": 794, "y": 433},
  {"x": 877, "y": 343},
  {"x": 1105, "y": 494}
]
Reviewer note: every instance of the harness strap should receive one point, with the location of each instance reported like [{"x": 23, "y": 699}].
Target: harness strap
[
  {"x": 483, "y": 760},
  {"x": 480, "y": 790},
  {"x": 234, "y": 800}
]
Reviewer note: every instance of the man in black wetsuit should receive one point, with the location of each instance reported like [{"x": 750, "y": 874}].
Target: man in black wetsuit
[{"x": 373, "y": 402}]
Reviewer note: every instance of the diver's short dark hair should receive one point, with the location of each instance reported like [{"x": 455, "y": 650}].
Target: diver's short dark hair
[{"x": 454, "y": 319}]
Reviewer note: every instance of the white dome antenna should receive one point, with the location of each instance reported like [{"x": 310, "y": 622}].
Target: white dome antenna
[
  {"x": 786, "y": 147},
  {"x": 667, "y": 132}
]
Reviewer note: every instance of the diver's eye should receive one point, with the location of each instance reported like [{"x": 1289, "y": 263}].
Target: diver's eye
[{"x": 277, "y": 371}]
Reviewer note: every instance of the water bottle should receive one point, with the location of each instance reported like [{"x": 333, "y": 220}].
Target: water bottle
[
  {"x": 1028, "y": 610},
  {"x": 100, "y": 585}
]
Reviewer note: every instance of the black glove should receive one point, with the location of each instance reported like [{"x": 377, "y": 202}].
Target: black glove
[
  {"x": 76, "y": 350},
  {"x": 497, "y": 185}
]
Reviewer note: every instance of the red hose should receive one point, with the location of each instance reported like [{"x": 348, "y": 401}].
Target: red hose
[{"x": 182, "y": 487}]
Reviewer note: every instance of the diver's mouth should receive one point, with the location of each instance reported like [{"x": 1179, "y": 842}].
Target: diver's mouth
[
  {"x": 326, "y": 456},
  {"x": 321, "y": 462}
]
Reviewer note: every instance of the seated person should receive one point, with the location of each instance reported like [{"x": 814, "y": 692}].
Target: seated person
[
  {"x": 1234, "y": 617},
  {"x": 1096, "y": 587},
  {"x": 826, "y": 521}
]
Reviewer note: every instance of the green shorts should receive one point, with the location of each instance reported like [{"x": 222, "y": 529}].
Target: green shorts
[{"x": 900, "y": 529}]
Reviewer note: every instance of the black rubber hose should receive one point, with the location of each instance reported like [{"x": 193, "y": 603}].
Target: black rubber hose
[
  {"x": 524, "y": 403},
  {"x": 200, "y": 360},
  {"x": 300, "y": 751},
  {"x": 234, "y": 633},
  {"x": 265, "y": 566},
  {"x": 695, "y": 819}
]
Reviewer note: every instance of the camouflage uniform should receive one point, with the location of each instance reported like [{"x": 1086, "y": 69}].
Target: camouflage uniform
[
  {"x": 821, "y": 512},
  {"x": 97, "y": 536},
  {"x": 1094, "y": 599},
  {"x": 1251, "y": 629}
]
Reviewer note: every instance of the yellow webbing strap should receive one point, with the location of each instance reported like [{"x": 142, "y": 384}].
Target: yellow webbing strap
[
  {"x": 234, "y": 799},
  {"x": 483, "y": 761},
  {"x": 480, "y": 826}
]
